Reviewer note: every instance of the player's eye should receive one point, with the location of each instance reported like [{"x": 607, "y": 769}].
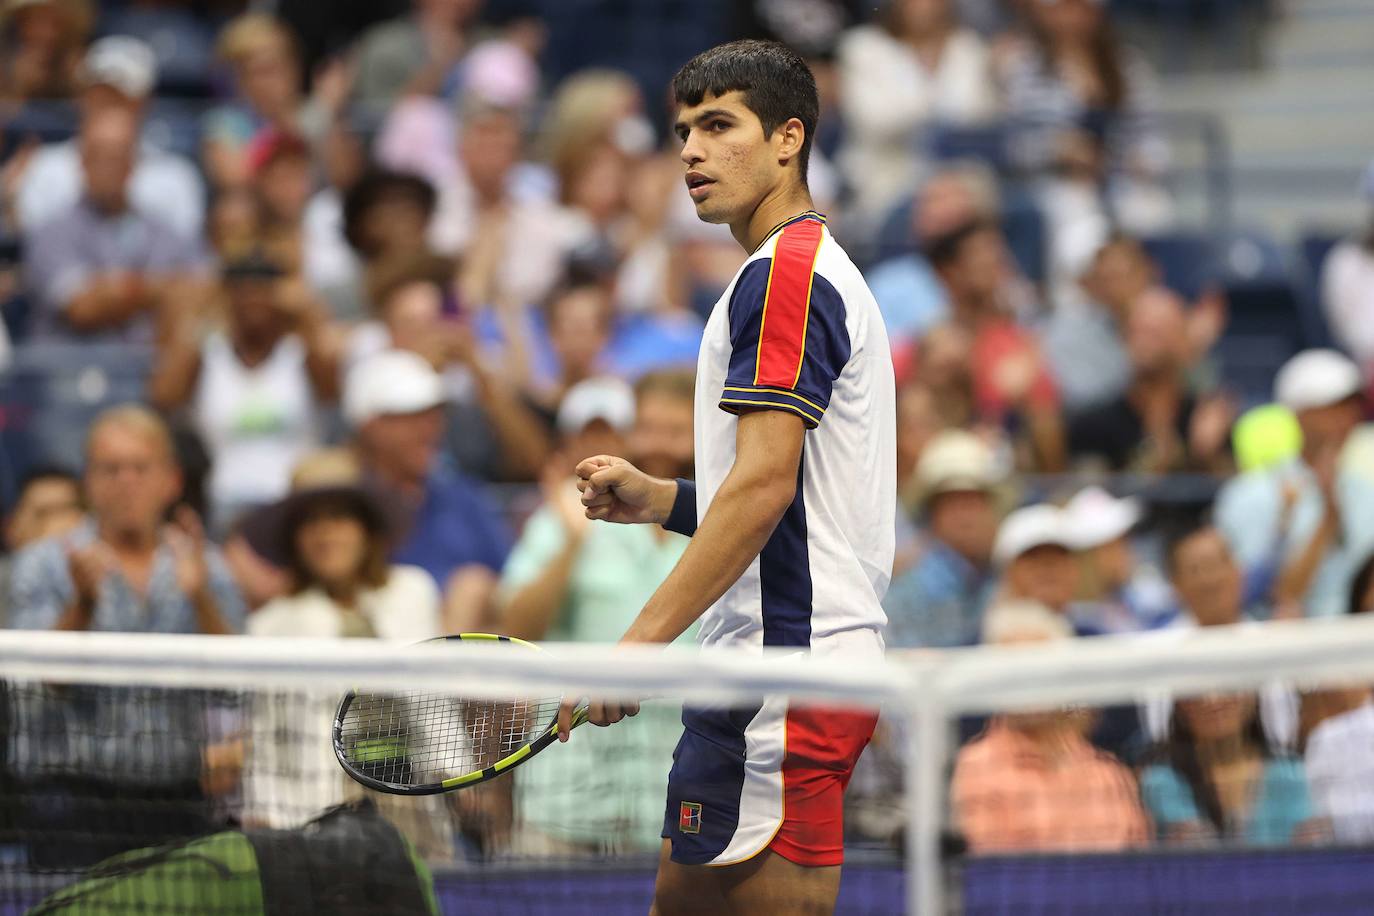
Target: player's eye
[{"x": 718, "y": 125}]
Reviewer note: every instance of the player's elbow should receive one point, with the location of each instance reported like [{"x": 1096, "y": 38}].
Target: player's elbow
[{"x": 764, "y": 496}]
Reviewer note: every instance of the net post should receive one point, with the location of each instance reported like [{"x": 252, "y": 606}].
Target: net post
[{"x": 925, "y": 750}]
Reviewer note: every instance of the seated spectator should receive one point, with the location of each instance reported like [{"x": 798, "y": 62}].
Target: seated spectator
[
  {"x": 124, "y": 568},
  {"x": 575, "y": 580},
  {"x": 492, "y": 432},
  {"x": 101, "y": 270},
  {"x": 47, "y": 505},
  {"x": 1080, "y": 100},
  {"x": 1032, "y": 782},
  {"x": 1340, "y": 769},
  {"x": 255, "y": 387},
  {"x": 413, "y": 53},
  {"x": 1157, "y": 425},
  {"x": 336, "y": 540},
  {"x": 1084, "y": 345},
  {"x": 1011, "y": 382},
  {"x": 1032, "y": 550},
  {"x": 118, "y": 72},
  {"x": 1347, "y": 289},
  {"x": 1211, "y": 587},
  {"x": 918, "y": 423},
  {"x": 909, "y": 294},
  {"x": 1034, "y": 553},
  {"x": 939, "y": 601},
  {"x": 1123, "y": 594},
  {"x": 281, "y": 178},
  {"x": 1212, "y": 590},
  {"x": 262, "y": 54},
  {"x": 1217, "y": 780},
  {"x": 393, "y": 403},
  {"x": 43, "y": 40},
  {"x": 386, "y": 220},
  {"x": 1344, "y": 707},
  {"x": 512, "y": 241},
  {"x": 916, "y": 67},
  {"x": 1332, "y": 507}
]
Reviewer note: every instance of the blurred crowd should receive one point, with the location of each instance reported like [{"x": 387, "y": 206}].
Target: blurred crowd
[{"x": 394, "y": 290}]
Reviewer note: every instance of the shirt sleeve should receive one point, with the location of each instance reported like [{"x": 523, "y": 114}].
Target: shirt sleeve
[
  {"x": 787, "y": 331},
  {"x": 1167, "y": 797},
  {"x": 37, "y": 593}
]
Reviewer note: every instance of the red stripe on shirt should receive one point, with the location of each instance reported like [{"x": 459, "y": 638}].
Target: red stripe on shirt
[{"x": 787, "y": 305}]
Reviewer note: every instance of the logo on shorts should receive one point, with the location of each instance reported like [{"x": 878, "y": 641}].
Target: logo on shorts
[{"x": 689, "y": 817}]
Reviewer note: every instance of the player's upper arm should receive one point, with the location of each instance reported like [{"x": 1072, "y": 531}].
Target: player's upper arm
[{"x": 788, "y": 337}]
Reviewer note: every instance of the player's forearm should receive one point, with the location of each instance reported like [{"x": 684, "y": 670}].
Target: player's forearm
[{"x": 736, "y": 528}]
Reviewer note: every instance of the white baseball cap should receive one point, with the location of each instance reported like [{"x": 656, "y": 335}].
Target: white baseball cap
[
  {"x": 956, "y": 461},
  {"x": 390, "y": 382},
  {"x": 1095, "y": 517},
  {"x": 121, "y": 62},
  {"x": 605, "y": 398},
  {"x": 1317, "y": 378},
  {"x": 1025, "y": 529}
]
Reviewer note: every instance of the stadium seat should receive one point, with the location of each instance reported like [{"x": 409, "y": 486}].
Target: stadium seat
[
  {"x": 61, "y": 402},
  {"x": 182, "y": 43},
  {"x": 949, "y": 142},
  {"x": 175, "y": 126},
  {"x": 1313, "y": 249},
  {"x": 1185, "y": 259},
  {"x": 1022, "y": 223}
]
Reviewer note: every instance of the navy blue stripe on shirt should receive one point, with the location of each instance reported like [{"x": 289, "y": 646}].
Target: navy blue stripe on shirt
[{"x": 785, "y": 576}]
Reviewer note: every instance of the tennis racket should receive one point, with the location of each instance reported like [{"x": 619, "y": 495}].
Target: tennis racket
[{"x": 418, "y": 743}]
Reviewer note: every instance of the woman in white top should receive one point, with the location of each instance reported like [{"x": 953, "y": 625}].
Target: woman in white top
[
  {"x": 917, "y": 67},
  {"x": 334, "y": 541},
  {"x": 254, "y": 386}
]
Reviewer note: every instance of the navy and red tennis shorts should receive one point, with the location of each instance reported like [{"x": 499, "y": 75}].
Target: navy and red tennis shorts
[{"x": 768, "y": 777}]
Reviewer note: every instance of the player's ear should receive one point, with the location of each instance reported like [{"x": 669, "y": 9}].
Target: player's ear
[{"x": 789, "y": 137}]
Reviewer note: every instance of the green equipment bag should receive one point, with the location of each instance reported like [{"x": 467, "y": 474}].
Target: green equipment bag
[{"x": 348, "y": 861}]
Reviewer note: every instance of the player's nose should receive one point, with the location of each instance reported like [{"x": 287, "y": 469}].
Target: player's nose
[{"x": 692, "y": 153}]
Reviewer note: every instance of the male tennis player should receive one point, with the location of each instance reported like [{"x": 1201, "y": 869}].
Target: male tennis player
[{"x": 792, "y": 510}]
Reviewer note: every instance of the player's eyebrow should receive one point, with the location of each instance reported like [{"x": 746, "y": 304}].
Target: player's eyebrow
[{"x": 680, "y": 128}]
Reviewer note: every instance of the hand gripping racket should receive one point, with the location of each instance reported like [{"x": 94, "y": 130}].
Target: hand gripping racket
[{"x": 417, "y": 743}]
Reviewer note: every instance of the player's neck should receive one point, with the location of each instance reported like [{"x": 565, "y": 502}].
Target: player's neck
[{"x": 779, "y": 206}]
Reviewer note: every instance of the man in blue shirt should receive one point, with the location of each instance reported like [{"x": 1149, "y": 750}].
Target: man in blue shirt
[
  {"x": 939, "y": 601},
  {"x": 394, "y": 403}
]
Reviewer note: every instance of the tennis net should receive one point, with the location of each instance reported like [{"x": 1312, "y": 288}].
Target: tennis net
[
  {"x": 197, "y": 775},
  {"x": 163, "y": 774}
]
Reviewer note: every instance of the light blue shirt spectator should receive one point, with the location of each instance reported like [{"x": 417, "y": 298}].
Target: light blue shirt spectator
[
  {"x": 1249, "y": 509},
  {"x": 939, "y": 602},
  {"x": 1281, "y": 806},
  {"x": 41, "y": 588},
  {"x": 1087, "y": 356},
  {"x": 911, "y": 298}
]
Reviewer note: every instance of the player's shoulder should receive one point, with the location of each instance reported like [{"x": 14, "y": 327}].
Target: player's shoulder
[{"x": 801, "y": 256}]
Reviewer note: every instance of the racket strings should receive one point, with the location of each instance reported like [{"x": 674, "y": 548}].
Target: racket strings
[{"x": 414, "y": 738}]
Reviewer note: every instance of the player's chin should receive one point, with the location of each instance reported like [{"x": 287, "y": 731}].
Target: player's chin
[{"x": 709, "y": 211}]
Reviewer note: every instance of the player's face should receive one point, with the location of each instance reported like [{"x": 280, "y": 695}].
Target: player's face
[{"x": 731, "y": 165}]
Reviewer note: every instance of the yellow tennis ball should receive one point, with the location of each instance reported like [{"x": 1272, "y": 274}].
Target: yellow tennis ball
[{"x": 1266, "y": 436}]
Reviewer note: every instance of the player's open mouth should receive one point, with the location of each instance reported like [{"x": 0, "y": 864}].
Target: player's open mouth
[{"x": 698, "y": 185}]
